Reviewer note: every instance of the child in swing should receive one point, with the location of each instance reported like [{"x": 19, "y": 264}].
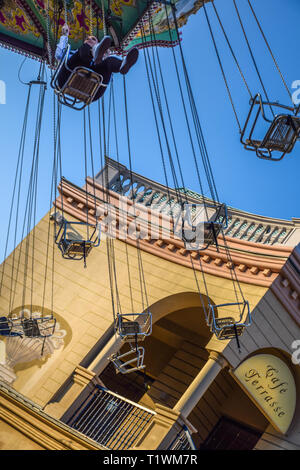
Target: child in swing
[{"x": 91, "y": 55}]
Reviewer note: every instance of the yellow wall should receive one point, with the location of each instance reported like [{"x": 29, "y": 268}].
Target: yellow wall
[{"x": 82, "y": 301}]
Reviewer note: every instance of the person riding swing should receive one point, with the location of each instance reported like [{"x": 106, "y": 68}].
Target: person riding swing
[{"x": 92, "y": 55}]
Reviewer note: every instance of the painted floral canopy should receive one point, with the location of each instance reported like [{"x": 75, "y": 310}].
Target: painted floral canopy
[{"x": 26, "y": 25}]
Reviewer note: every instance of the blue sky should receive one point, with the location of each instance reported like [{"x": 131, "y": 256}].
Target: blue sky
[{"x": 243, "y": 181}]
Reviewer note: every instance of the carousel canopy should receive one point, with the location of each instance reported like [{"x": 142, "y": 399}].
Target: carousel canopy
[{"x": 25, "y": 25}]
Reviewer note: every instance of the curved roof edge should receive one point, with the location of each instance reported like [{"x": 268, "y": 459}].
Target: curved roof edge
[{"x": 242, "y": 225}]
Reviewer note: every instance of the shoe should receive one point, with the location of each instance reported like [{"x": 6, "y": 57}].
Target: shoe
[
  {"x": 100, "y": 49},
  {"x": 129, "y": 61}
]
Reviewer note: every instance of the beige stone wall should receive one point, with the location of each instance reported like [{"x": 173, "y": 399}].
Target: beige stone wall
[
  {"x": 273, "y": 331},
  {"x": 82, "y": 300}
]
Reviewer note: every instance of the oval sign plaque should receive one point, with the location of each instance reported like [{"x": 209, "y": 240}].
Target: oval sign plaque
[{"x": 270, "y": 384}]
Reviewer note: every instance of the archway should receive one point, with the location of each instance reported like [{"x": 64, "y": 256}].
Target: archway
[{"x": 179, "y": 336}]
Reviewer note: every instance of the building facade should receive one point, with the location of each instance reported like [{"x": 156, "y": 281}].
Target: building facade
[{"x": 196, "y": 391}]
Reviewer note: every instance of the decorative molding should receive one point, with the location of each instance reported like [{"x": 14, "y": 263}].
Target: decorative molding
[
  {"x": 286, "y": 286},
  {"x": 20, "y": 350},
  {"x": 256, "y": 263}
]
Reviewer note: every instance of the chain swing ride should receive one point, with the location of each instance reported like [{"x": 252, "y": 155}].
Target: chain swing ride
[
  {"x": 76, "y": 240},
  {"x": 282, "y": 130}
]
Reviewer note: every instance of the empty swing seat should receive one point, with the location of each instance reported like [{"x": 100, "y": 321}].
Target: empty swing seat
[
  {"x": 38, "y": 327},
  {"x": 282, "y": 133},
  {"x": 130, "y": 361},
  {"x": 72, "y": 244},
  {"x": 134, "y": 327},
  {"x": 229, "y": 327}
]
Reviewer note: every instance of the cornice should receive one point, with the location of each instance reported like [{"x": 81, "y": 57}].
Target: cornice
[
  {"x": 254, "y": 263},
  {"x": 286, "y": 286}
]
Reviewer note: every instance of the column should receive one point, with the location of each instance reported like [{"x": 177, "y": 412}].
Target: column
[
  {"x": 102, "y": 360},
  {"x": 200, "y": 384}
]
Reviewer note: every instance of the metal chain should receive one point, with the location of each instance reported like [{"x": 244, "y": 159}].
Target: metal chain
[
  {"x": 270, "y": 50},
  {"x": 49, "y": 50},
  {"x": 231, "y": 50},
  {"x": 65, "y": 12},
  {"x": 103, "y": 19}
]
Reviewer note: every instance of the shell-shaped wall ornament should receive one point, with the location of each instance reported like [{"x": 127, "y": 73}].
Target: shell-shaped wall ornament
[{"x": 19, "y": 350}]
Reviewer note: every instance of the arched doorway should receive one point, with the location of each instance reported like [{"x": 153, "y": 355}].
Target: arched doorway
[
  {"x": 225, "y": 417},
  {"x": 177, "y": 319}
]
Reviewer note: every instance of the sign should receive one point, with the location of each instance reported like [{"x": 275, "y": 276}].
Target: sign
[{"x": 270, "y": 384}]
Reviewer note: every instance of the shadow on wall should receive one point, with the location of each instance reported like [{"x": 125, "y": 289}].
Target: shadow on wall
[{"x": 23, "y": 353}]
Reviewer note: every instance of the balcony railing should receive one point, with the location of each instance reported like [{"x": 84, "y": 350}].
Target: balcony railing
[
  {"x": 183, "y": 441},
  {"x": 111, "y": 420}
]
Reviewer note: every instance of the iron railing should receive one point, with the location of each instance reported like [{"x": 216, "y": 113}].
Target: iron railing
[
  {"x": 183, "y": 441},
  {"x": 111, "y": 420}
]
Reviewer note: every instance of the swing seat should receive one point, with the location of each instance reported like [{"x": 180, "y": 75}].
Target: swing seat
[
  {"x": 212, "y": 228},
  {"x": 7, "y": 328},
  {"x": 134, "y": 327},
  {"x": 72, "y": 244},
  {"x": 130, "y": 361},
  {"x": 80, "y": 88},
  {"x": 30, "y": 328},
  {"x": 42, "y": 327},
  {"x": 227, "y": 328},
  {"x": 281, "y": 136}
]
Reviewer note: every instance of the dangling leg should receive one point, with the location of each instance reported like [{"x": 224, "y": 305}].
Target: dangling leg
[
  {"x": 108, "y": 66},
  {"x": 130, "y": 60},
  {"x": 113, "y": 64}
]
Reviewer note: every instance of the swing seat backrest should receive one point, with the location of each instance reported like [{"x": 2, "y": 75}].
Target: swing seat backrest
[
  {"x": 282, "y": 134},
  {"x": 130, "y": 328},
  {"x": 31, "y": 328},
  {"x": 213, "y": 228}
]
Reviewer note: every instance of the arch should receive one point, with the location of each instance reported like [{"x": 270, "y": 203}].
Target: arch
[{"x": 176, "y": 302}]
